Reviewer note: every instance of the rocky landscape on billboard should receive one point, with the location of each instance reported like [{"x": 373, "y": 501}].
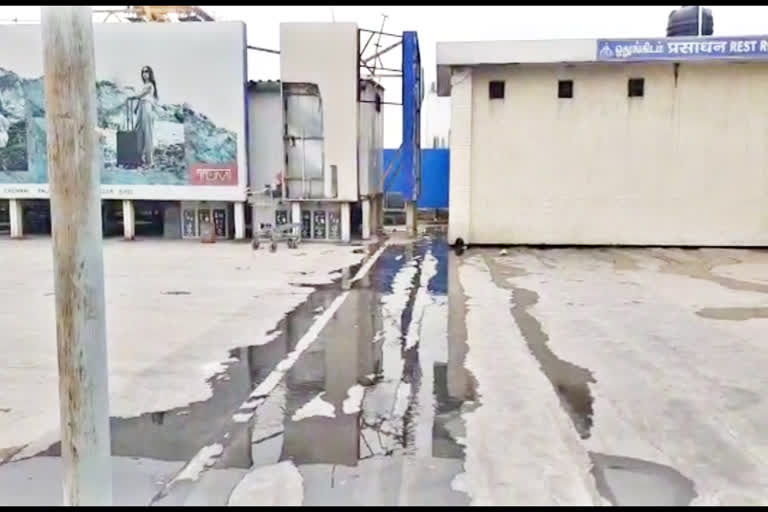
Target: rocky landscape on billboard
[{"x": 183, "y": 136}]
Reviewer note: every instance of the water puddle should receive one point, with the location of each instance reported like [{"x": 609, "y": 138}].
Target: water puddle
[
  {"x": 620, "y": 259},
  {"x": 382, "y": 385},
  {"x": 178, "y": 434},
  {"x": 738, "y": 314},
  {"x": 692, "y": 263},
  {"x": 571, "y": 382},
  {"x": 625, "y": 481},
  {"x": 7, "y": 454},
  {"x": 373, "y": 392}
]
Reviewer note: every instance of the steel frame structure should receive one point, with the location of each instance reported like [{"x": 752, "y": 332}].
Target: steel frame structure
[{"x": 370, "y": 66}]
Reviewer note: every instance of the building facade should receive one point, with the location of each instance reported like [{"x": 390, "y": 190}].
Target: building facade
[
  {"x": 333, "y": 132},
  {"x": 435, "y": 119},
  {"x": 657, "y": 142}
]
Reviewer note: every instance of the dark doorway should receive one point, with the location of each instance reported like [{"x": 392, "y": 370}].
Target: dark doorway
[
  {"x": 36, "y": 216},
  {"x": 149, "y": 218},
  {"x": 111, "y": 218},
  {"x": 5, "y": 217},
  {"x": 356, "y": 221}
]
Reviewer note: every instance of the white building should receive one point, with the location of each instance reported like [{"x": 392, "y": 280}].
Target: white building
[
  {"x": 657, "y": 142},
  {"x": 333, "y": 131},
  {"x": 435, "y": 119},
  {"x": 217, "y": 141}
]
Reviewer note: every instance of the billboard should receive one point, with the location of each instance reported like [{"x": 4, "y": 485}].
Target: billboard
[{"x": 170, "y": 118}]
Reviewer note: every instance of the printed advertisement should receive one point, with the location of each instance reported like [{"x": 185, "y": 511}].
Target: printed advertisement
[{"x": 170, "y": 115}]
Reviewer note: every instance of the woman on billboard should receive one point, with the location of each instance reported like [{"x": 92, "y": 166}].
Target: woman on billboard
[{"x": 145, "y": 116}]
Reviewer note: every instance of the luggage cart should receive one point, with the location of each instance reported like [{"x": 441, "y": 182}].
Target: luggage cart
[
  {"x": 267, "y": 201},
  {"x": 288, "y": 233}
]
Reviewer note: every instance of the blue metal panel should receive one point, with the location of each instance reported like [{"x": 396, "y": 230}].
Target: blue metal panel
[
  {"x": 410, "y": 165},
  {"x": 435, "y": 176},
  {"x": 435, "y": 173}
]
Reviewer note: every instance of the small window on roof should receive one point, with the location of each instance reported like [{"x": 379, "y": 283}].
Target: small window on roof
[
  {"x": 636, "y": 87},
  {"x": 565, "y": 89},
  {"x": 496, "y": 89}
]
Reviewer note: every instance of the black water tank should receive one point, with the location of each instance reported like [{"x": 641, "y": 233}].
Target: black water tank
[{"x": 685, "y": 22}]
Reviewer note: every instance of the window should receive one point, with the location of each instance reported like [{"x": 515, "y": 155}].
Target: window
[
  {"x": 636, "y": 87},
  {"x": 496, "y": 90},
  {"x": 394, "y": 201},
  {"x": 565, "y": 89}
]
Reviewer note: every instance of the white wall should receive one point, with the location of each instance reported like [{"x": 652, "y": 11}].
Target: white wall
[
  {"x": 435, "y": 119},
  {"x": 460, "y": 158},
  {"x": 265, "y": 136},
  {"x": 686, "y": 164},
  {"x": 326, "y": 54}
]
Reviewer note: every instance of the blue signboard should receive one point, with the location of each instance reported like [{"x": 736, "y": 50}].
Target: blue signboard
[
  {"x": 683, "y": 48},
  {"x": 412, "y": 95}
]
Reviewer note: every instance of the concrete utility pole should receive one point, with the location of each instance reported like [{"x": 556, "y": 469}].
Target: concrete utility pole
[{"x": 74, "y": 164}]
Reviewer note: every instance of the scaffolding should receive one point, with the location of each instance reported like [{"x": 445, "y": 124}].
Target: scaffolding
[{"x": 374, "y": 44}]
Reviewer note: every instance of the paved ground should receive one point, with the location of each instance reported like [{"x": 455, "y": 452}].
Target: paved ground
[
  {"x": 174, "y": 311},
  {"x": 656, "y": 358},
  {"x": 558, "y": 376}
]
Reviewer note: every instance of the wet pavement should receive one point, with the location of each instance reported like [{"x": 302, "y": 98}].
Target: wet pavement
[
  {"x": 362, "y": 394},
  {"x": 370, "y": 392},
  {"x": 570, "y": 382}
]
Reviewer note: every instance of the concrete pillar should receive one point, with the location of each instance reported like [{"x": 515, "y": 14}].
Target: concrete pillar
[
  {"x": 410, "y": 218},
  {"x": 17, "y": 218},
  {"x": 129, "y": 220},
  {"x": 376, "y": 213},
  {"x": 346, "y": 223},
  {"x": 296, "y": 216},
  {"x": 366, "y": 207},
  {"x": 239, "y": 220}
]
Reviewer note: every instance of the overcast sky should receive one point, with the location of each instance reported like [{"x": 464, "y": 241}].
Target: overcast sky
[{"x": 463, "y": 23}]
